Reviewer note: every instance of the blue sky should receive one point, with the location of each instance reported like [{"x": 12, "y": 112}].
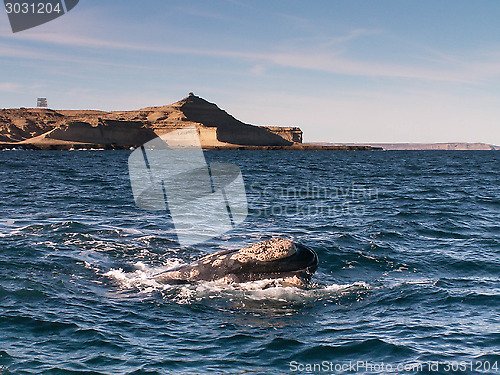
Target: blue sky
[{"x": 344, "y": 71}]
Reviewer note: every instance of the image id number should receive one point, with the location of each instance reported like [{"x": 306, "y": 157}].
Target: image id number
[{"x": 38, "y": 8}]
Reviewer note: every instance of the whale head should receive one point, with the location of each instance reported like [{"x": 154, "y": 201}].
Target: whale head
[{"x": 277, "y": 258}]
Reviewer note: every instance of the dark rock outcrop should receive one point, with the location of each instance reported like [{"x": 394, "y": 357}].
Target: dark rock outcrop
[{"x": 106, "y": 132}]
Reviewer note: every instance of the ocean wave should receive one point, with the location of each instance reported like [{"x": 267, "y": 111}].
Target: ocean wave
[{"x": 360, "y": 349}]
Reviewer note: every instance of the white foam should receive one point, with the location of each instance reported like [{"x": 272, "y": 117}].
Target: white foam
[
  {"x": 273, "y": 290},
  {"x": 7, "y": 227},
  {"x": 138, "y": 279},
  {"x": 358, "y": 285},
  {"x": 142, "y": 278},
  {"x": 398, "y": 283}
]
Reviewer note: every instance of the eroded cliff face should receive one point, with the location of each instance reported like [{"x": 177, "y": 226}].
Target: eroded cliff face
[
  {"x": 216, "y": 127},
  {"x": 106, "y": 132},
  {"x": 18, "y": 124}
]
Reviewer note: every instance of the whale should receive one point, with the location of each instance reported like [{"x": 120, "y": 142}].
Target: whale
[{"x": 278, "y": 258}]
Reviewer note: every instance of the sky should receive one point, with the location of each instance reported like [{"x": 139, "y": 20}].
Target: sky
[{"x": 343, "y": 71}]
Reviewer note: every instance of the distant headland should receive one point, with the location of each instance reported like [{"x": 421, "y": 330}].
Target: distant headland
[
  {"x": 47, "y": 129},
  {"x": 449, "y": 146}
]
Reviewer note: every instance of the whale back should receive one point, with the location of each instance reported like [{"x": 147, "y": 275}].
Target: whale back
[{"x": 266, "y": 251}]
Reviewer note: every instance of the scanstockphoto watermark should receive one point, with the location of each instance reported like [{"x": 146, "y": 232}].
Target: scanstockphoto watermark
[
  {"x": 312, "y": 190},
  {"x": 313, "y": 199},
  {"x": 170, "y": 174},
  {"x": 370, "y": 367}
]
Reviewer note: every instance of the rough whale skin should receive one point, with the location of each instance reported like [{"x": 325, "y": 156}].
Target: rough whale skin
[{"x": 277, "y": 258}]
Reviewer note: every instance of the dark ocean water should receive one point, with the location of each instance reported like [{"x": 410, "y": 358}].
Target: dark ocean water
[{"x": 409, "y": 274}]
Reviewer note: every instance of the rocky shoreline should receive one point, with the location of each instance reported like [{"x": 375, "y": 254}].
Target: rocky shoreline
[{"x": 94, "y": 146}]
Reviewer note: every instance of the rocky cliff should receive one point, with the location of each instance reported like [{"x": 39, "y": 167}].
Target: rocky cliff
[{"x": 45, "y": 128}]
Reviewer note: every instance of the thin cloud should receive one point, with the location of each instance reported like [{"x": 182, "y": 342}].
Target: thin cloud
[
  {"x": 470, "y": 72},
  {"x": 323, "y": 41},
  {"x": 9, "y": 87},
  {"x": 31, "y": 54},
  {"x": 196, "y": 12}
]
